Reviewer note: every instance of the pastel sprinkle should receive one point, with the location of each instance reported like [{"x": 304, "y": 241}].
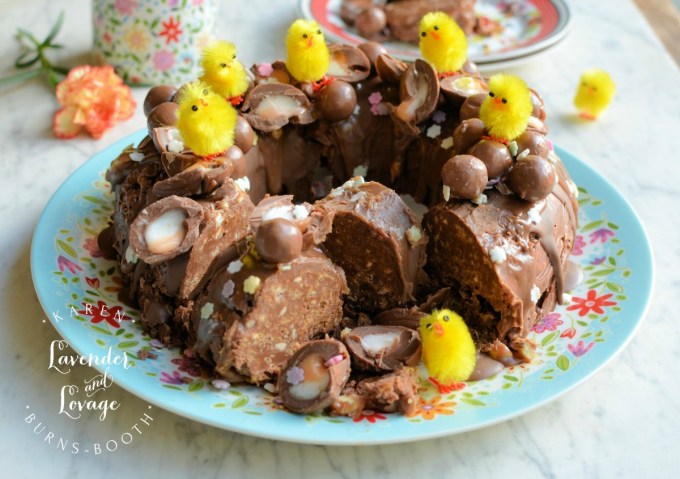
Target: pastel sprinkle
[
  {"x": 550, "y": 144},
  {"x": 295, "y": 375},
  {"x": 434, "y": 131},
  {"x": 439, "y": 116},
  {"x": 375, "y": 98},
  {"x": 265, "y": 69},
  {"x": 220, "y": 384},
  {"x": 379, "y": 109},
  {"x": 156, "y": 344},
  {"x": 332, "y": 361}
]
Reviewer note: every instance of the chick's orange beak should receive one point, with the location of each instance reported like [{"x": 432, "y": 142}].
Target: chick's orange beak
[
  {"x": 497, "y": 101},
  {"x": 203, "y": 102},
  {"x": 310, "y": 42},
  {"x": 435, "y": 35},
  {"x": 438, "y": 329}
]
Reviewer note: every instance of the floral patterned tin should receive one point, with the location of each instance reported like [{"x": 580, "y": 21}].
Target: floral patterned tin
[{"x": 152, "y": 41}]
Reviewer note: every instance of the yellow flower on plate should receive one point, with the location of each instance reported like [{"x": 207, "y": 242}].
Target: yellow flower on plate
[{"x": 136, "y": 38}]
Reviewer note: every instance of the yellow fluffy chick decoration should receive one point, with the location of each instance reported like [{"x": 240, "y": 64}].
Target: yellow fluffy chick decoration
[
  {"x": 223, "y": 72},
  {"x": 205, "y": 120},
  {"x": 506, "y": 111},
  {"x": 449, "y": 352},
  {"x": 308, "y": 58},
  {"x": 594, "y": 93},
  {"x": 442, "y": 42}
]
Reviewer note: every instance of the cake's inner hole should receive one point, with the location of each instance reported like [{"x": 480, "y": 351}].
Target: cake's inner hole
[
  {"x": 316, "y": 378},
  {"x": 166, "y": 233},
  {"x": 275, "y": 106},
  {"x": 375, "y": 344}
]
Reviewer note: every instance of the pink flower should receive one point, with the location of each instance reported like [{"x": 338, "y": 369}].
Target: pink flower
[
  {"x": 579, "y": 243},
  {"x": 568, "y": 333},
  {"x": 580, "y": 349},
  {"x": 163, "y": 60},
  {"x": 188, "y": 365},
  {"x": 92, "y": 247},
  {"x": 265, "y": 70},
  {"x": 550, "y": 322},
  {"x": 439, "y": 117},
  {"x": 599, "y": 260},
  {"x": 175, "y": 378},
  {"x": 375, "y": 98},
  {"x": 125, "y": 7},
  {"x": 65, "y": 263},
  {"x": 601, "y": 235},
  {"x": 92, "y": 98}
]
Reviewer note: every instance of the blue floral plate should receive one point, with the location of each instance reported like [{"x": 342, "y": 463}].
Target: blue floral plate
[{"x": 77, "y": 289}]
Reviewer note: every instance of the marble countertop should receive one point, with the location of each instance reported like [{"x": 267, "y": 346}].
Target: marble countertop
[{"x": 623, "y": 422}]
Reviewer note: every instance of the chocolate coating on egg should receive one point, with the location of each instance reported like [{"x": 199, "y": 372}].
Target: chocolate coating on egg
[
  {"x": 157, "y": 95},
  {"x": 372, "y": 50},
  {"x": 532, "y": 178},
  {"x": 278, "y": 241},
  {"x": 539, "y": 105},
  {"x": 466, "y": 176},
  {"x": 533, "y": 141},
  {"x": 244, "y": 135},
  {"x": 164, "y": 114},
  {"x": 495, "y": 156},
  {"x": 370, "y": 22},
  {"x": 337, "y": 101},
  {"x": 467, "y": 134},
  {"x": 471, "y": 105}
]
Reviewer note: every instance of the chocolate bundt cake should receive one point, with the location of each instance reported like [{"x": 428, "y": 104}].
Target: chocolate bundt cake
[{"x": 360, "y": 206}]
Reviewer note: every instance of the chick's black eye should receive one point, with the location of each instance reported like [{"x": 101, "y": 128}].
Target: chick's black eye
[
  {"x": 194, "y": 107},
  {"x": 304, "y": 35},
  {"x": 205, "y": 91},
  {"x": 223, "y": 65},
  {"x": 233, "y": 57},
  {"x": 491, "y": 94},
  {"x": 594, "y": 88},
  {"x": 436, "y": 27},
  {"x": 446, "y": 317},
  {"x": 423, "y": 34},
  {"x": 428, "y": 325},
  {"x": 318, "y": 32},
  {"x": 504, "y": 100}
]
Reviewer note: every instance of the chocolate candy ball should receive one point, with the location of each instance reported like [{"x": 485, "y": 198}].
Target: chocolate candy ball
[
  {"x": 370, "y": 22},
  {"x": 532, "y": 178},
  {"x": 372, "y": 50},
  {"x": 164, "y": 114},
  {"x": 238, "y": 160},
  {"x": 278, "y": 241},
  {"x": 243, "y": 134},
  {"x": 534, "y": 142},
  {"x": 157, "y": 95},
  {"x": 539, "y": 105},
  {"x": 337, "y": 101},
  {"x": 495, "y": 156},
  {"x": 466, "y": 176},
  {"x": 467, "y": 134},
  {"x": 471, "y": 106}
]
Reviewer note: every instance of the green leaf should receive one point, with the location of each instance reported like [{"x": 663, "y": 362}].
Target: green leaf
[
  {"x": 151, "y": 374},
  {"x": 614, "y": 287},
  {"x": 196, "y": 385},
  {"x": 510, "y": 378},
  {"x": 128, "y": 335},
  {"x": 549, "y": 338},
  {"x": 563, "y": 362},
  {"x": 94, "y": 199},
  {"x": 597, "y": 202},
  {"x": 120, "y": 331},
  {"x": 604, "y": 272},
  {"x": 65, "y": 248},
  {"x": 172, "y": 386},
  {"x": 219, "y": 405},
  {"x": 100, "y": 342},
  {"x": 626, "y": 273},
  {"x": 99, "y": 329},
  {"x": 548, "y": 377},
  {"x": 473, "y": 402},
  {"x": 55, "y": 29},
  {"x": 582, "y": 323},
  {"x": 612, "y": 261},
  {"x": 592, "y": 225},
  {"x": 621, "y": 297},
  {"x": 507, "y": 386},
  {"x": 128, "y": 344},
  {"x": 240, "y": 402},
  {"x": 613, "y": 226}
]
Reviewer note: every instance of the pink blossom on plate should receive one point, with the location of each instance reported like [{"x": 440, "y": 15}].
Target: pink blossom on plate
[
  {"x": 65, "y": 263},
  {"x": 580, "y": 349}
]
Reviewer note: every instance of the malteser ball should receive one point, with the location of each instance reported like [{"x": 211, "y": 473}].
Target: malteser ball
[
  {"x": 466, "y": 176},
  {"x": 278, "y": 241},
  {"x": 538, "y": 104},
  {"x": 533, "y": 141},
  {"x": 337, "y": 101},
  {"x": 238, "y": 160},
  {"x": 532, "y": 178},
  {"x": 467, "y": 134},
  {"x": 471, "y": 106},
  {"x": 243, "y": 134},
  {"x": 372, "y": 50},
  {"x": 157, "y": 95},
  {"x": 370, "y": 22},
  {"x": 164, "y": 114},
  {"x": 495, "y": 156}
]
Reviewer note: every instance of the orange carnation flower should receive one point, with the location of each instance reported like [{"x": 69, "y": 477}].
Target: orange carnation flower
[{"x": 93, "y": 98}]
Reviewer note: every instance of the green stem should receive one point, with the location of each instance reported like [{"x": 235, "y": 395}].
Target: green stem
[{"x": 20, "y": 77}]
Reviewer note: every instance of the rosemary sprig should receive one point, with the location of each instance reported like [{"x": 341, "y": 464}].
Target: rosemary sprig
[{"x": 35, "y": 55}]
